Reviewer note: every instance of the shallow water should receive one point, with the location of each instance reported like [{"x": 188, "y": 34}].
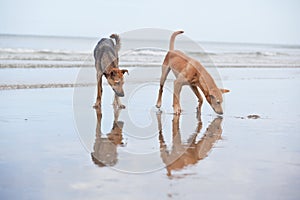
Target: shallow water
[
  {"x": 45, "y": 149},
  {"x": 54, "y": 145}
]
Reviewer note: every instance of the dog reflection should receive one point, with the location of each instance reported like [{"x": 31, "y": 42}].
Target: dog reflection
[
  {"x": 183, "y": 154},
  {"x": 105, "y": 148}
]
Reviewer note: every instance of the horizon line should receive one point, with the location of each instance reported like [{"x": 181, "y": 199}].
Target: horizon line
[{"x": 95, "y": 37}]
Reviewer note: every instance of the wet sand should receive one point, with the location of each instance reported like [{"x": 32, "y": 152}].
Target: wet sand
[{"x": 48, "y": 136}]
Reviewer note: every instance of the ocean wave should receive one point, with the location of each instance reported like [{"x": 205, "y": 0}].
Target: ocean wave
[
  {"x": 201, "y": 53},
  {"x": 144, "y": 52},
  {"x": 47, "y": 58},
  {"x": 269, "y": 53},
  {"x": 48, "y": 55},
  {"x": 255, "y": 53},
  {"x": 64, "y": 54},
  {"x": 37, "y": 51}
]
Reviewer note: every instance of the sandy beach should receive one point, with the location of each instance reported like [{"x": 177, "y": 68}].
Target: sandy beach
[{"x": 48, "y": 136}]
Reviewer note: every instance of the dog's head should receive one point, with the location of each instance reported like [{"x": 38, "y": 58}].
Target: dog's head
[
  {"x": 115, "y": 80},
  {"x": 216, "y": 100}
]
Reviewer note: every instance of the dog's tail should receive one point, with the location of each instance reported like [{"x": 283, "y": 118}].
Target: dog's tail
[
  {"x": 118, "y": 41},
  {"x": 172, "y": 40}
]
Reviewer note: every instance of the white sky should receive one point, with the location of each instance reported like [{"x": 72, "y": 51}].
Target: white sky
[{"x": 257, "y": 21}]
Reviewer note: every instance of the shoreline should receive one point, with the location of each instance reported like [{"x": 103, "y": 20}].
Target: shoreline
[{"x": 39, "y": 78}]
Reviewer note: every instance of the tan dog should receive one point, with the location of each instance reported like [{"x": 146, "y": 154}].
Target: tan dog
[
  {"x": 189, "y": 71},
  {"x": 107, "y": 64}
]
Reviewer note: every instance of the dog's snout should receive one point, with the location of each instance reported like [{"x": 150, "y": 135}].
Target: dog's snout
[
  {"x": 119, "y": 93},
  {"x": 220, "y": 112}
]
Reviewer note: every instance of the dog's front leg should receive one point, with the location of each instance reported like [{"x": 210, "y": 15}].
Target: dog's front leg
[
  {"x": 200, "y": 99},
  {"x": 99, "y": 91},
  {"x": 176, "y": 96},
  {"x": 117, "y": 103},
  {"x": 98, "y": 126}
]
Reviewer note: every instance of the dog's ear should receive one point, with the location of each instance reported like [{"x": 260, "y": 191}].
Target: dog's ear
[
  {"x": 224, "y": 90},
  {"x": 124, "y": 70}
]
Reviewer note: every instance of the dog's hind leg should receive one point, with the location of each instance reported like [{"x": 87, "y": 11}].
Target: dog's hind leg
[
  {"x": 165, "y": 71},
  {"x": 200, "y": 99}
]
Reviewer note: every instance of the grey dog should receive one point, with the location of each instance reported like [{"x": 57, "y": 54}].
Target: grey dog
[{"x": 107, "y": 64}]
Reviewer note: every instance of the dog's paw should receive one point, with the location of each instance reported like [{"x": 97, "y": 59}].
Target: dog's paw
[
  {"x": 97, "y": 106},
  {"x": 158, "y": 104},
  {"x": 119, "y": 106},
  {"x": 122, "y": 106},
  {"x": 177, "y": 111}
]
